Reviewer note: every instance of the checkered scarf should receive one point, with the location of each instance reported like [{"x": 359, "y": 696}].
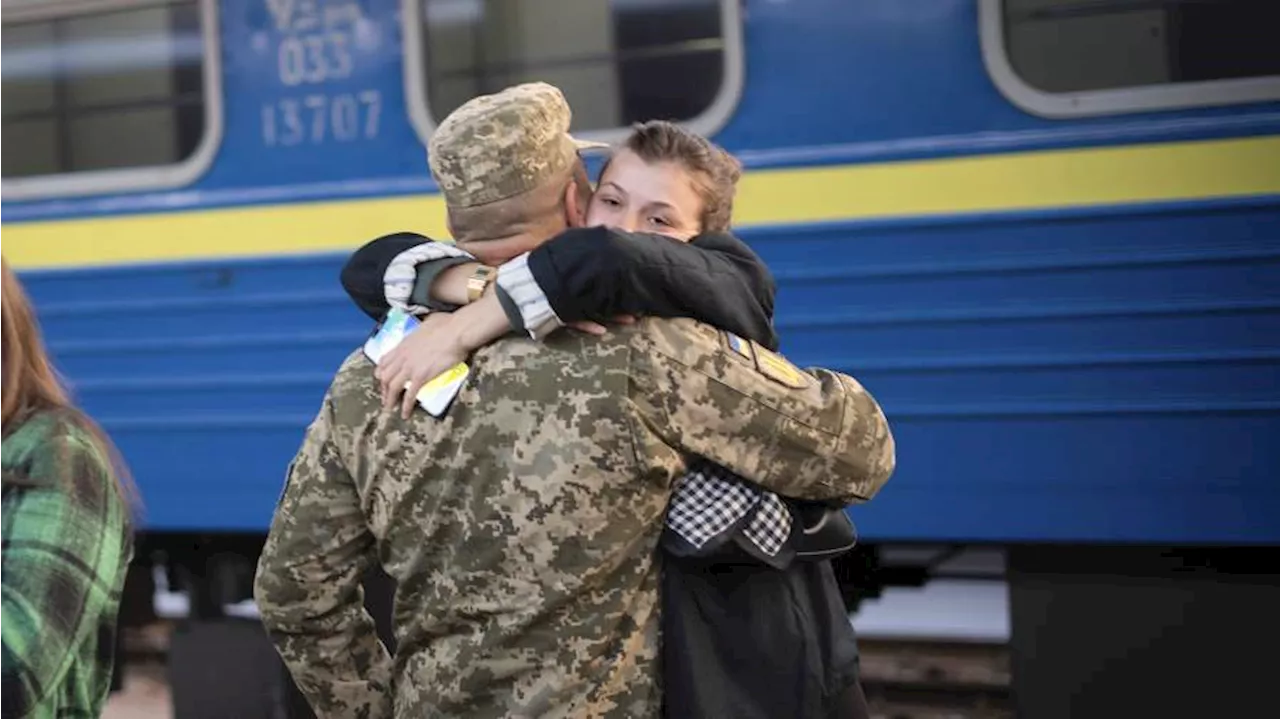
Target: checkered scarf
[{"x": 710, "y": 500}]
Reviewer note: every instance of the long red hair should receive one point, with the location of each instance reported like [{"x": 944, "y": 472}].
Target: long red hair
[{"x": 32, "y": 385}]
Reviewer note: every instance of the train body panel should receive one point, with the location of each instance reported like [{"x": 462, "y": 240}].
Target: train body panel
[{"x": 1074, "y": 324}]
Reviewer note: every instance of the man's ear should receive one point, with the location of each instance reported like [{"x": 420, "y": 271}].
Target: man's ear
[{"x": 574, "y": 209}]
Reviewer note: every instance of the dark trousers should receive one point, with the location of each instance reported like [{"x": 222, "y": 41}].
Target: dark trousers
[
  {"x": 748, "y": 641},
  {"x": 852, "y": 704}
]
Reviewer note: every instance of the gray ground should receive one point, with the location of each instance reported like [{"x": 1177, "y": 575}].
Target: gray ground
[{"x": 145, "y": 695}]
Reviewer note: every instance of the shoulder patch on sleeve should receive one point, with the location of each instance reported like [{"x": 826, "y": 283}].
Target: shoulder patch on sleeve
[{"x": 777, "y": 368}]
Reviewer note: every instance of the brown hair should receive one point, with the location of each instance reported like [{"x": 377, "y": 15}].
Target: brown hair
[
  {"x": 32, "y": 385},
  {"x": 715, "y": 172}
]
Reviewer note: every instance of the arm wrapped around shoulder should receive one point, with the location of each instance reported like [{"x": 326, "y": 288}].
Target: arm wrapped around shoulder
[
  {"x": 866, "y": 454},
  {"x": 815, "y": 434}
]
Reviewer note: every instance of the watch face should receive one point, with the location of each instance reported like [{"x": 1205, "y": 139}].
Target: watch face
[{"x": 478, "y": 283}]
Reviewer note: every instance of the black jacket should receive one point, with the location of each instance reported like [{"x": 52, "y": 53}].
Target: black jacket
[
  {"x": 740, "y": 639},
  {"x": 596, "y": 273}
]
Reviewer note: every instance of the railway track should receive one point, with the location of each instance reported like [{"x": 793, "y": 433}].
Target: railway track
[{"x": 915, "y": 679}]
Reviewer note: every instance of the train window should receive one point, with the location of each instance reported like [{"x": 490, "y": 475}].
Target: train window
[
  {"x": 105, "y": 97},
  {"x": 1065, "y": 58},
  {"x": 617, "y": 61}
]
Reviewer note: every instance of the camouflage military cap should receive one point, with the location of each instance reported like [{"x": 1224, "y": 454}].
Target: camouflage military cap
[{"x": 503, "y": 145}]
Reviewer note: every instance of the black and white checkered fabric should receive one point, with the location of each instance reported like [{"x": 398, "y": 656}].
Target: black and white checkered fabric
[{"x": 710, "y": 500}]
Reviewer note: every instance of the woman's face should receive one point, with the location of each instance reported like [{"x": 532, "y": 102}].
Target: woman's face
[{"x": 637, "y": 196}]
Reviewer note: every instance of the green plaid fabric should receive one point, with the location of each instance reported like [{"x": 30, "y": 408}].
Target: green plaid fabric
[{"x": 66, "y": 545}]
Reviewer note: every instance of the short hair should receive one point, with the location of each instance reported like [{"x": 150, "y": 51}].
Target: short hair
[
  {"x": 715, "y": 172},
  {"x": 539, "y": 207}
]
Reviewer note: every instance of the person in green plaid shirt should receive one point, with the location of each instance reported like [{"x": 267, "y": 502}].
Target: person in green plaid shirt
[{"x": 67, "y": 539}]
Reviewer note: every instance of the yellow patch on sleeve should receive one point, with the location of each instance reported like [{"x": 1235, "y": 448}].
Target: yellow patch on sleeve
[{"x": 778, "y": 369}]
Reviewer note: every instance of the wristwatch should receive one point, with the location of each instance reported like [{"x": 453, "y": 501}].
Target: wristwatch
[{"x": 479, "y": 281}]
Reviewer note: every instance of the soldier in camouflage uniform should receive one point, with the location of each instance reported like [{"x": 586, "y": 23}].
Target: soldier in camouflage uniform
[{"x": 521, "y": 527}]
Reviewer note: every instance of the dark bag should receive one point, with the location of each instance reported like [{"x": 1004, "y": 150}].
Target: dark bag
[{"x": 825, "y": 532}]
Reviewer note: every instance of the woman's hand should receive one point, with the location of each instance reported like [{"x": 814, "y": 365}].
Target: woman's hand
[
  {"x": 442, "y": 340},
  {"x": 597, "y": 329}
]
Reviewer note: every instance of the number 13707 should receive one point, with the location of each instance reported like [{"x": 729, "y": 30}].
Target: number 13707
[{"x": 316, "y": 119}]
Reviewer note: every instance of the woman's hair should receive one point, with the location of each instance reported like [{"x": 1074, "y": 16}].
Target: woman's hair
[
  {"x": 32, "y": 385},
  {"x": 715, "y": 172}
]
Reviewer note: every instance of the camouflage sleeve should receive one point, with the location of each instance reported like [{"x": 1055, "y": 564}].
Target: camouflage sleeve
[
  {"x": 308, "y": 587},
  {"x": 812, "y": 434}
]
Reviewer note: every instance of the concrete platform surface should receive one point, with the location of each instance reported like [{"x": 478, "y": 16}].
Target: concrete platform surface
[{"x": 145, "y": 694}]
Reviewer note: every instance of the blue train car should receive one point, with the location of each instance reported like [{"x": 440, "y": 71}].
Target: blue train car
[{"x": 1044, "y": 233}]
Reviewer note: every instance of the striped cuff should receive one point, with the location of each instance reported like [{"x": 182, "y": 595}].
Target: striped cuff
[
  {"x": 402, "y": 273},
  {"x": 517, "y": 281}
]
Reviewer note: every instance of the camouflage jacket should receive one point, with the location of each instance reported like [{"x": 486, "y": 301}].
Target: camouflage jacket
[{"x": 521, "y": 528}]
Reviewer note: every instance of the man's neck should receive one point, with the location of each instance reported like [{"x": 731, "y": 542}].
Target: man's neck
[{"x": 500, "y": 250}]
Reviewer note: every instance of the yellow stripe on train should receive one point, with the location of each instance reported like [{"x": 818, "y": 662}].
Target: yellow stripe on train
[{"x": 1004, "y": 182}]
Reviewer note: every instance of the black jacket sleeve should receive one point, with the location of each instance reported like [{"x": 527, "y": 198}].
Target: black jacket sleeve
[
  {"x": 362, "y": 276},
  {"x": 597, "y": 273}
]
